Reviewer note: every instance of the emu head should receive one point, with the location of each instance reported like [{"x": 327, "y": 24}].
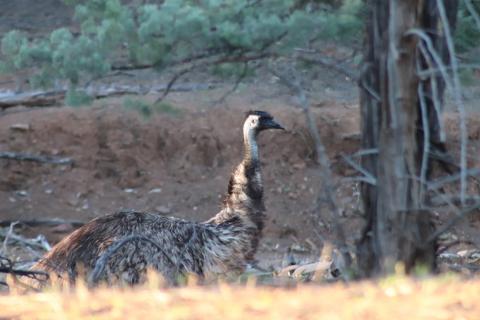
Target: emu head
[{"x": 258, "y": 121}]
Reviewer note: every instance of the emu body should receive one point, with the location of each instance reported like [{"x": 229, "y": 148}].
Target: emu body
[{"x": 221, "y": 245}]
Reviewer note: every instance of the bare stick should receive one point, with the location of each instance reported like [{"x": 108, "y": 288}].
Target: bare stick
[
  {"x": 368, "y": 177},
  {"x": 34, "y": 158},
  {"x": 458, "y": 99},
  {"x": 436, "y": 101},
  {"x": 426, "y": 138},
  {"x": 331, "y": 64},
  {"x": 55, "y": 97},
  {"x": 473, "y": 12},
  {"x": 438, "y": 183},
  {"x": 433, "y": 71},
  {"x": 365, "y": 152},
  {"x": 7, "y": 266},
  {"x": 321, "y": 157},
  {"x": 38, "y": 242},
  {"x": 436, "y": 57},
  {"x": 447, "y": 246},
  {"x": 453, "y": 222},
  {"x": 174, "y": 79},
  {"x": 42, "y": 222},
  {"x": 7, "y": 237},
  {"x": 235, "y": 86}
]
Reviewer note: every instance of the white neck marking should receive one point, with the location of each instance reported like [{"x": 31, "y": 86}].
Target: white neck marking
[{"x": 249, "y": 138}]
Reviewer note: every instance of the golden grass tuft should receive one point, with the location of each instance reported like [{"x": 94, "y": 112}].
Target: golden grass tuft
[{"x": 391, "y": 298}]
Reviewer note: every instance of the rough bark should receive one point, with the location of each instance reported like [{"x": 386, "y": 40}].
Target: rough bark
[{"x": 396, "y": 226}]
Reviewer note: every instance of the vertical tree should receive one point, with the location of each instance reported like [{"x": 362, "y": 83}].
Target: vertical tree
[{"x": 398, "y": 229}]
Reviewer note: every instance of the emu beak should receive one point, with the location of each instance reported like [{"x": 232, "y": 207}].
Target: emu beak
[{"x": 271, "y": 124}]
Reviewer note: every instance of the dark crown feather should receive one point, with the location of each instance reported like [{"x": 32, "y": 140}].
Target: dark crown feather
[{"x": 262, "y": 114}]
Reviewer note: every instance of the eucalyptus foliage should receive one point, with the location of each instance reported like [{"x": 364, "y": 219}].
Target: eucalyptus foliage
[
  {"x": 467, "y": 35},
  {"x": 174, "y": 32}
]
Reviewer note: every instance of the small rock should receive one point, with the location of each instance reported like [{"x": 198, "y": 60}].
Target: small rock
[
  {"x": 448, "y": 236},
  {"x": 21, "y": 193},
  {"x": 463, "y": 253},
  {"x": 73, "y": 202},
  {"x": 48, "y": 191},
  {"x": 163, "y": 209},
  {"x": 129, "y": 190},
  {"x": 20, "y": 127},
  {"x": 299, "y": 165},
  {"x": 155, "y": 190},
  {"x": 449, "y": 256}
]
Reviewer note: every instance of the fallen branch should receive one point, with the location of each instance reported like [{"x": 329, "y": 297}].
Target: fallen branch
[
  {"x": 55, "y": 97},
  {"x": 438, "y": 183},
  {"x": 42, "y": 222},
  {"x": 34, "y": 158},
  {"x": 7, "y": 237},
  {"x": 452, "y": 222},
  {"x": 39, "y": 242},
  {"x": 7, "y": 266}
]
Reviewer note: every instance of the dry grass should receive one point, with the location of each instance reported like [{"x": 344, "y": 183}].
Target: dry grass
[{"x": 392, "y": 298}]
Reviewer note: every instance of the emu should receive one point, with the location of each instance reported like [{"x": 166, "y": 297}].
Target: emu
[{"x": 174, "y": 247}]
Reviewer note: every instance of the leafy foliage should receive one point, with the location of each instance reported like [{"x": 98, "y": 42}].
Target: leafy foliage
[
  {"x": 467, "y": 35},
  {"x": 175, "y": 32}
]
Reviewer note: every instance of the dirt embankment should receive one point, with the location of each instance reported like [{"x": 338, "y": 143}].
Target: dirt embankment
[{"x": 178, "y": 165}]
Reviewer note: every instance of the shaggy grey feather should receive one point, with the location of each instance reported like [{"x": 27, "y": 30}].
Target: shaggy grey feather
[{"x": 118, "y": 248}]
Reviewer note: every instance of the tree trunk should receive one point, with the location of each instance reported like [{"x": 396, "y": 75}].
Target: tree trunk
[{"x": 396, "y": 227}]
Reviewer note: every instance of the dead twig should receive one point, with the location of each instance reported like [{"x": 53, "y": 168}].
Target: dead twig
[
  {"x": 322, "y": 160},
  {"x": 39, "y": 242},
  {"x": 8, "y": 267},
  {"x": 56, "y": 97},
  {"x": 42, "y": 222},
  {"x": 426, "y": 138},
  {"x": 438, "y": 183},
  {"x": 367, "y": 176},
  {"x": 34, "y": 158},
  {"x": 473, "y": 12},
  {"x": 7, "y": 237},
  {"x": 174, "y": 79},
  {"x": 240, "y": 78},
  {"x": 437, "y": 105},
  {"x": 328, "y": 63},
  {"x": 464, "y": 212},
  {"x": 447, "y": 246},
  {"x": 457, "y": 93}
]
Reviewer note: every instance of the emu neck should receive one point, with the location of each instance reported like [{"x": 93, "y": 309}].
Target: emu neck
[
  {"x": 250, "y": 144},
  {"x": 244, "y": 197},
  {"x": 243, "y": 206}
]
